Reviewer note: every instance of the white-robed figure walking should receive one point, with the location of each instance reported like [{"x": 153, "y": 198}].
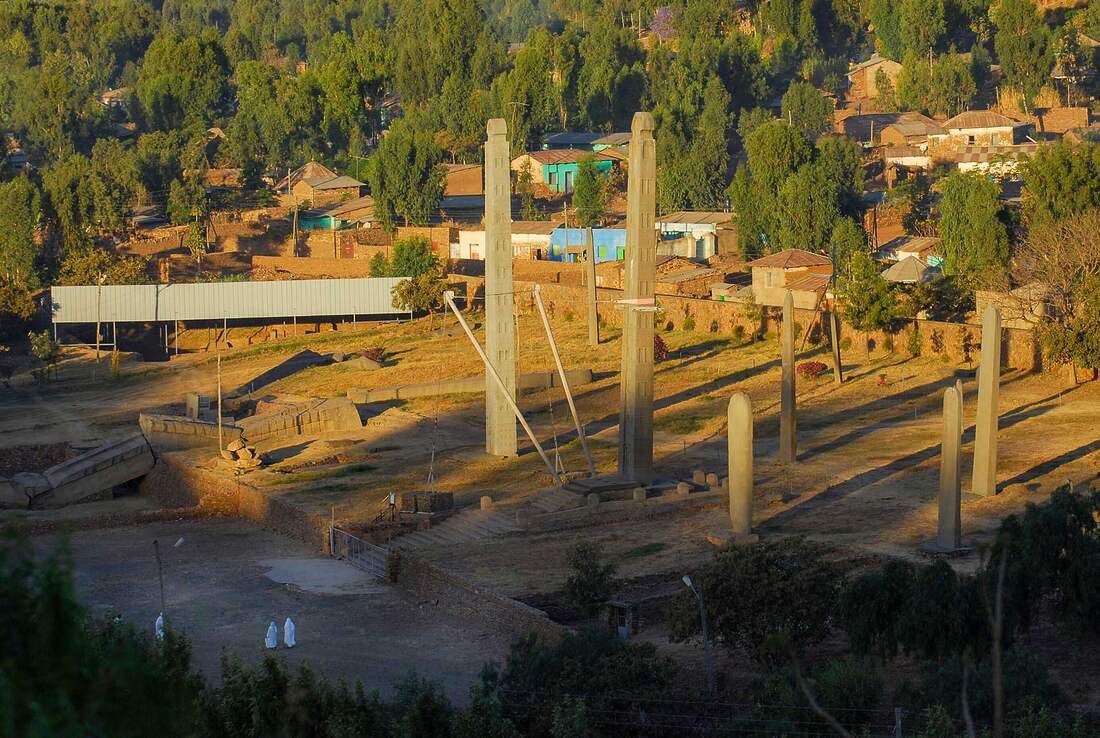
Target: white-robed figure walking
[
  {"x": 272, "y": 639},
  {"x": 289, "y": 633},
  {"x": 158, "y": 627}
]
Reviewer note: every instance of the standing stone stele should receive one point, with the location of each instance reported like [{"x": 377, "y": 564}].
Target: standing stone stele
[
  {"x": 636, "y": 378},
  {"x": 590, "y": 279},
  {"x": 739, "y": 460},
  {"x": 985, "y": 427},
  {"x": 949, "y": 533},
  {"x": 834, "y": 339},
  {"x": 500, "y": 329},
  {"x": 788, "y": 423}
]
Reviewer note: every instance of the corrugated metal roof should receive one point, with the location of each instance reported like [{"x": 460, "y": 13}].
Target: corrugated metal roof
[
  {"x": 696, "y": 217},
  {"x": 571, "y": 156},
  {"x": 806, "y": 281},
  {"x": 791, "y": 259},
  {"x": 149, "y": 303},
  {"x": 971, "y": 119}
]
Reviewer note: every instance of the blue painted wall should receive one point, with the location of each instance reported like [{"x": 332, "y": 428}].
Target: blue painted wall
[{"x": 610, "y": 244}]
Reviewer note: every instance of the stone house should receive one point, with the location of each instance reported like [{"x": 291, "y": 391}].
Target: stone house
[
  {"x": 464, "y": 179},
  {"x": 861, "y": 77},
  {"x": 911, "y": 129},
  {"x": 803, "y": 273},
  {"x": 557, "y": 168},
  {"x": 327, "y": 190},
  {"x": 978, "y": 128}
]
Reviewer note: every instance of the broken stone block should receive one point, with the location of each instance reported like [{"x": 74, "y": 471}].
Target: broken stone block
[
  {"x": 699, "y": 476},
  {"x": 228, "y": 455},
  {"x": 246, "y": 453},
  {"x": 365, "y": 364},
  {"x": 337, "y": 357},
  {"x": 683, "y": 489},
  {"x": 486, "y": 502},
  {"x": 639, "y": 494},
  {"x": 712, "y": 480},
  {"x": 236, "y": 444},
  {"x": 593, "y": 500}
]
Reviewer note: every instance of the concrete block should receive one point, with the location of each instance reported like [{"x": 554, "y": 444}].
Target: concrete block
[
  {"x": 486, "y": 502},
  {"x": 683, "y": 489},
  {"x": 699, "y": 476},
  {"x": 639, "y": 494},
  {"x": 712, "y": 480},
  {"x": 593, "y": 500}
]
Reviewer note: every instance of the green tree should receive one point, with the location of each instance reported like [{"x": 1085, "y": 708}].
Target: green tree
[
  {"x": 922, "y": 24},
  {"x": 1061, "y": 181},
  {"x": 846, "y": 240},
  {"x": 20, "y": 217},
  {"x": 183, "y": 80},
  {"x": 525, "y": 190},
  {"x": 805, "y": 108},
  {"x": 85, "y": 267},
  {"x": 187, "y": 201},
  {"x": 869, "y": 304},
  {"x": 405, "y": 176},
  {"x": 885, "y": 93},
  {"x": 914, "y": 83},
  {"x": 1022, "y": 43},
  {"x": 413, "y": 257},
  {"x": 52, "y": 650},
  {"x": 591, "y": 579},
  {"x": 952, "y": 88},
  {"x": 755, "y": 593},
  {"x": 588, "y": 193},
  {"x": 808, "y": 209},
  {"x": 975, "y": 237},
  {"x": 885, "y": 17}
]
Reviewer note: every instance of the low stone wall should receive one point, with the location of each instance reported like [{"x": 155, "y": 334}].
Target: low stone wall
[
  {"x": 1020, "y": 348},
  {"x": 302, "y": 418},
  {"x": 455, "y": 594},
  {"x": 468, "y": 385},
  {"x": 176, "y": 483},
  {"x": 316, "y": 266}
]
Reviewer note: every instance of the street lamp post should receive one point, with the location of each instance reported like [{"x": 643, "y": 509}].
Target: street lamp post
[{"x": 708, "y": 664}]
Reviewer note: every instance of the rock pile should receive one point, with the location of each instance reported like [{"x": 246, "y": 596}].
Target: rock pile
[{"x": 241, "y": 457}]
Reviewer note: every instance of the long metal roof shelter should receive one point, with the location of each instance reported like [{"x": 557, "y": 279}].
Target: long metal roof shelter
[{"x": 148, "y": 303}]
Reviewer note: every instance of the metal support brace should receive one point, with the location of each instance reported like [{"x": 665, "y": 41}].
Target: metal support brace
[
  {"x": 564, "y": 381},
  {"x": 448, "y": 296}
]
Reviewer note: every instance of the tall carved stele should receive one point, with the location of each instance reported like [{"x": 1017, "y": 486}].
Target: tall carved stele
[
  {"x": 636, "y": 409},
  {"x": 500, "y": 328}
]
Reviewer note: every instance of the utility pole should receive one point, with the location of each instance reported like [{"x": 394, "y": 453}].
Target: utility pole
[
  {"x": 98, "y": 292},
  {"x": 221, "y": 443}
]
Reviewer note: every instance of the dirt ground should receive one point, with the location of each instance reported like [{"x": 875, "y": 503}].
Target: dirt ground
[
  {"x": 865, "y": 481},
  {"x": 226, "y": 580},
  {"x": 868, "y": 450}
]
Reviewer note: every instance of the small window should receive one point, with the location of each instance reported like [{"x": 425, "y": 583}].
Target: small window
[
  {"x": 971, "y": 140},
  {"x": 552, "y": 179}
]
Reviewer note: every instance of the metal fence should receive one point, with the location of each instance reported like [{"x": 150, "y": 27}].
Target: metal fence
[{"x": 359, "y": 553}]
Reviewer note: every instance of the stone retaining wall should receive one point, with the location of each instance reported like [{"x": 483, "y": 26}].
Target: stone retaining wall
[
  {"x": 1021, "y": 347},
  {"x": 455, "y": 594},
  {"x": 176, "y": 483},
  {"x": 467, "y": 385}
]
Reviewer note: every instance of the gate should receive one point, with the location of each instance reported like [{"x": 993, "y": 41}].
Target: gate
[{"x": 359, "y": 553}]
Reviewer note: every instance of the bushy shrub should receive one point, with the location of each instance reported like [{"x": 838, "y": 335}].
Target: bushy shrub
[
  {"x": 1025, "y": 678},
  {"x": 660, "y": 349},
  {"x": 591, "y": 581},
  {"x": 375, "y": 353},
  {"x": 846, "y": 343},
  {"x": 937, "y": 342},
  {"x": 871, "y": 607},
  {"x": 568, "y": 316},
  {"x": 888, "y": 344},
  {"x": 784, "y": 589},
  {"x": 688, "y": 325},
  {"x": 811, "y": 369},
  {"x": 739, "y": 333},
  {"x": 538, "y": 678},
  {"x": 913, "y": 342},
  {"x": 849, "y": 688},
  {"x": 714, "y": 327}
]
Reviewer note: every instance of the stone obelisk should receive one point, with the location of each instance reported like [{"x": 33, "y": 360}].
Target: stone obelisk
[
  {"x": 989, "y": 385},
  {"x": 834, "y": 339},
  {"x": 739, "y": 460},
  {"x": 500, "y": 329},
  {"x": 636, "y": 378},
  {"x": 788, "y": 424},
  {"x": 590, "y": 290},
  {"x": 949, "y": 531}
]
